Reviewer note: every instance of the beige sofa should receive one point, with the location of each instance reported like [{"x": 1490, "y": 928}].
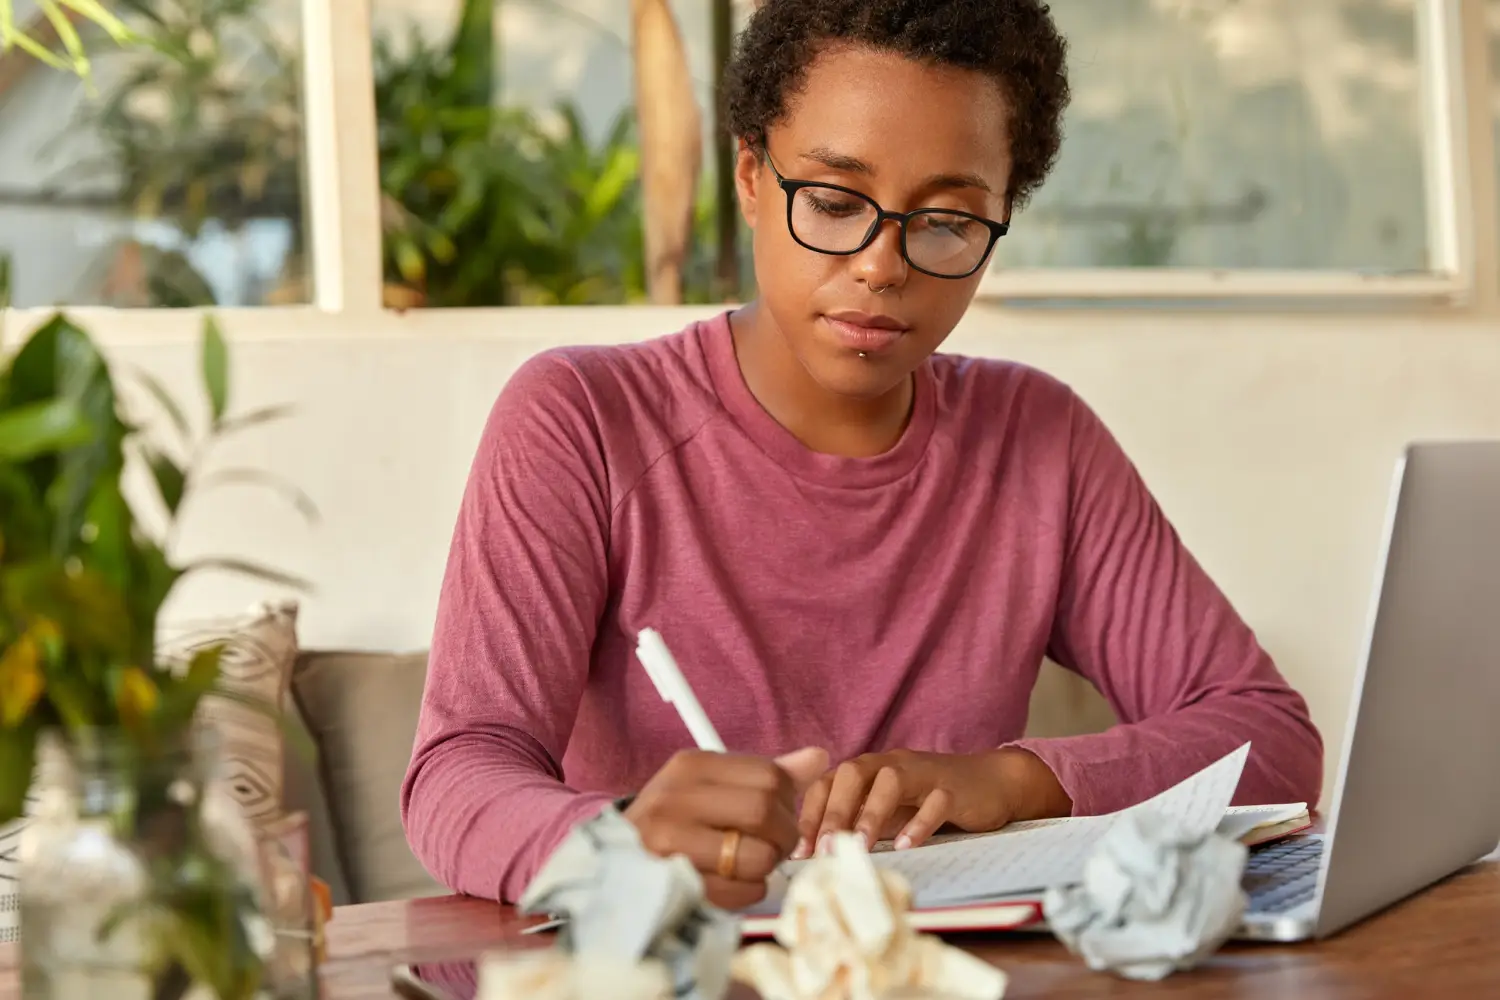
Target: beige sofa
[{"x": 360, "y": 709}]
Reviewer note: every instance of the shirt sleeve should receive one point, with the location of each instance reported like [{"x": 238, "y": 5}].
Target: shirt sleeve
[
  {"x": 483, "y": 800},
  {"x": 1140, "y": 619}
]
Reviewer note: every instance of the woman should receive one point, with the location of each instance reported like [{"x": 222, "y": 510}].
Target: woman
[{"x": 854, "y": 545}]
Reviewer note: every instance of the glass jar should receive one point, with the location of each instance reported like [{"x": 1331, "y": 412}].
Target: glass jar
[
  {"x": 291, "y": 907},
  {"x": 140, "y": 876}
]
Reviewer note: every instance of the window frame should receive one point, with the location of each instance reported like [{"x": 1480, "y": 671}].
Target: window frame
[
  {"x": 344, "y": 231},
  {"x": 1447, "y": 78}
]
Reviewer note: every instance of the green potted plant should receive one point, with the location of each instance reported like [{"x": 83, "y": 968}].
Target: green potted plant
[{"x": 141, "y": 876}]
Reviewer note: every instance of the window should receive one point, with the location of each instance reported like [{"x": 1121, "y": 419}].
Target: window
[
  {"x": 178, "y": 182},
  {"x": 1256, "y": 134},
  {"x": 1216, "y": 149},
  {"x": 510, "y": 154},
  {"x": 1226, "y": 136}
]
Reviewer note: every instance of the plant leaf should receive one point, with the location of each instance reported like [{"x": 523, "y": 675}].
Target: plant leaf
[
  {"x": 20, "y": 510},
  {"x": 153, "y": 579},
  {"x": 85, "y": 605},
  {"x": 195, "y": 944},
  {"x": 38, "y": 51},
  {"x": 94, "y": 11},
  {"x": 21, "y": 515},
  {"x": 142, "y": 910},
  {"x": 21, "y": 680},
  {"x": 68, "y": 35},
  {"x": 165, "y": 400},
  {"x": 225, "y": 477},
  {"x": 72, "y": 699},
  {"x": 215, "y": 369},
  {"x": 621, "y": 170},
  {"x": 171, "y": 481},
  {"x": 264, "y": 415},
  {"x": 107, "y": 535},
  {"x": 180, "y": 699},
  {"x": 37, "y": 428},
  {"x": 231, "y": 565},
  {"x": 136, "y": 696},
  {"x": 207, "y": 909},
  {"x": 60, "y": 362},
  {"x": 142, "y": 8},
  {"x": 17, "y": 761}
]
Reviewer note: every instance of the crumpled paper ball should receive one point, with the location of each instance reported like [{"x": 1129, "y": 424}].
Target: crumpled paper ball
[
  {"x": 624, "y": 905},
  {"x": 1154, "y": 898},
  {"x": 843, "y": 935},
  {"x": 557, "y": 975}
]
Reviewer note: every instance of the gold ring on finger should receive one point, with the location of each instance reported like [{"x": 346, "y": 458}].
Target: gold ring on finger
[{"x": 729, "y": 854}]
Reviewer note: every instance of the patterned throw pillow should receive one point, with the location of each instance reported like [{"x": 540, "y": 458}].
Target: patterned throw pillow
[
  {"x": 259, "y": 653},
  {"x": 260, "y": 650},
  {"x": 10, "y": 881}
]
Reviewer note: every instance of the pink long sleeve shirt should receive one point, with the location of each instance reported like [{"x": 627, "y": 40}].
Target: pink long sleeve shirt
[{"x": 857, "y": 604}]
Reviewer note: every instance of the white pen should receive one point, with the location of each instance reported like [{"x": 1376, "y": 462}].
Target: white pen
[
  {"x": 673, "y": 688},
  {"x": 662, "y": 668}
]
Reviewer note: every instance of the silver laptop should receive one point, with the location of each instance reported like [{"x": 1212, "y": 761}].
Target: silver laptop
[{"x": 1417, "y": 796}]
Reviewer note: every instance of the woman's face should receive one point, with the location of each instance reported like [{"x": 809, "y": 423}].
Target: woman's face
[{"x": 908, "y": 136}]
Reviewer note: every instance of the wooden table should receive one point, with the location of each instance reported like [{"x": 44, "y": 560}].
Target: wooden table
[{"x": 1444, "y": 942}]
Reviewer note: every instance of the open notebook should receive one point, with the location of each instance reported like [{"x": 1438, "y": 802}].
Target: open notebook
[{"x": 996, "y": 880}]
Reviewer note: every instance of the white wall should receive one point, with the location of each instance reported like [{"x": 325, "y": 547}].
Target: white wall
[{"x": 1270, "y": 441}]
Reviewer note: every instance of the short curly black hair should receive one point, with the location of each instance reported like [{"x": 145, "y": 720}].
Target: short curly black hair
[{"x": 1013, "y": 41}]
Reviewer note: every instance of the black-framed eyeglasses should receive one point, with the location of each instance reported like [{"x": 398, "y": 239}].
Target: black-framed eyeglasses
[{"x": 828, "y": 218}]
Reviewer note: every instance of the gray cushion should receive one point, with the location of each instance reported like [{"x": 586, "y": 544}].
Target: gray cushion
[
  {"x": 361, "y": 708},
  {"x": 302, "y": 791}
]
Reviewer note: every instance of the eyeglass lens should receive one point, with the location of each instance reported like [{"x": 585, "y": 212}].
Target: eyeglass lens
[{"x": 836, "y": 221}]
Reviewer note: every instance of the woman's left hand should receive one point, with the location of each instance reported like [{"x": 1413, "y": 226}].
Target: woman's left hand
[{"x": 909, "y": 794}]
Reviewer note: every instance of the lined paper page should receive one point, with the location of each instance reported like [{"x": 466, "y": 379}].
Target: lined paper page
[
  {"x": 1026, "y": 857},
  {"x": 1054, "y": 853},
  {"x": 972, "y": 870},
  {"x": 953, "y": 838},
  {"x": 1199, "y": 803}
]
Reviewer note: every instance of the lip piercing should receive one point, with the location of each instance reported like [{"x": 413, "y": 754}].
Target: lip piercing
[{"x": 863, "y": 354}]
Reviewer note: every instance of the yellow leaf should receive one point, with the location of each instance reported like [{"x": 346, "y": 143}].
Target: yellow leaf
[
  {"x": 92, "y": 10},
  {"x": 136, "y": 696},
  {"x": 37, "y": 50},
  {"x": 20, "y": 679}
]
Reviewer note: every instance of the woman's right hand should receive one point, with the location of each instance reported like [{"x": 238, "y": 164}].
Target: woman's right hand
[{"x": 693, "y": 805}]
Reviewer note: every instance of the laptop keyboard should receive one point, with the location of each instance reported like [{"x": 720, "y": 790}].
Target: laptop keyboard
[{"x": 1283, "y": 875}]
